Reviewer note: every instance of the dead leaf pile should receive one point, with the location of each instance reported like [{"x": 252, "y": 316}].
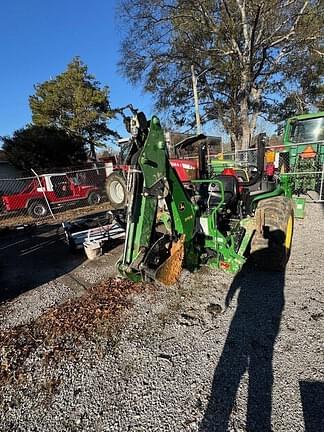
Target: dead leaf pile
[{"x": 62, "y": 327}]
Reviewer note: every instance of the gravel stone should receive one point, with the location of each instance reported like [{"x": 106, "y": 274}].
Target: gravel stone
[{"x": 213, "y": 353}]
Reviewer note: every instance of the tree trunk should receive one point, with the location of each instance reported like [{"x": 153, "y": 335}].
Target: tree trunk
[
  {"x": 255, "y": 97},
  {"x": 253, "y": 121},
  {"x": 93, "y": 154},
  {"x": 246, "y": 136},
  {"x": 234, "y": 141},
  {"x": 245, "y": 125}
]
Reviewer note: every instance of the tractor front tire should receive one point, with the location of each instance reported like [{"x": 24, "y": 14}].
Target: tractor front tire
[
  {"x": 116, "y": 190},
  {"x": 271, "y": 246},
  {"x": 37, "y": 209}
]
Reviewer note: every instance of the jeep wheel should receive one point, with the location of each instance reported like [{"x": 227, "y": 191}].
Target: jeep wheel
[
  {"x": 94, "y": 198},
  {"x": 37, "y": 209}
]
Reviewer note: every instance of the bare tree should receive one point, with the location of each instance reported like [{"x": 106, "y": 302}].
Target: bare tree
[{"x": 247, "y": 49}]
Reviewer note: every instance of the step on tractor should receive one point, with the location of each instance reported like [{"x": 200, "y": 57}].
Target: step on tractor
[{"x": 218, "y": 220}]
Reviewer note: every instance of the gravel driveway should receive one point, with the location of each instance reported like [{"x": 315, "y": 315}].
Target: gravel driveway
[{"x": 179, "y": 359}]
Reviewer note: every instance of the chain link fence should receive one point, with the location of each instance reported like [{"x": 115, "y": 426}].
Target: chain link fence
[
  {"x": 64, "y": 194},
  {"x": 303, "y": 161},
  {"x": 53, "y": 197}
]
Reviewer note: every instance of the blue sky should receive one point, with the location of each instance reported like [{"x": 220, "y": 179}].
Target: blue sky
[{"x": 40, "y": 37}]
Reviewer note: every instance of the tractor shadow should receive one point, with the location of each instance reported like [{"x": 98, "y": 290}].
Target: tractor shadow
[
  {"x": 32, "y": 257},
  {"x": 248, "y": 349}
]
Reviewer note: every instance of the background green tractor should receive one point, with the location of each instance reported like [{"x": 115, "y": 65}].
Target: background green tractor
[{"x": 304, "y": 151}]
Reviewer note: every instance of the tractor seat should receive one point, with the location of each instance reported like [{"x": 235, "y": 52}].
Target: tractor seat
[
  {"x": 211, "y": 193},
  {"x": 263, "y": 187}
]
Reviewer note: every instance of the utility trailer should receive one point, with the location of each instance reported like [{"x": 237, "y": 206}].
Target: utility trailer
[{"x": 101, "y": 227}]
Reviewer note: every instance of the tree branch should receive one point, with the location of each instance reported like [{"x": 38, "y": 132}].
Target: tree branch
[{"x": 287, "y": 36}]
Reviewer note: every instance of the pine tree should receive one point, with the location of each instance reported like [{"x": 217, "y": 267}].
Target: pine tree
[{"x": 74, "y": 102}]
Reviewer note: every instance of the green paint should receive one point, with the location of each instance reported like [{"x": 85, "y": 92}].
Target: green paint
[
  {"x": 284, "y": 188},
  {"x": 300, "y": 132},
  {"x": 203, "y": 239},
  {"x": 299, "y": 207}
]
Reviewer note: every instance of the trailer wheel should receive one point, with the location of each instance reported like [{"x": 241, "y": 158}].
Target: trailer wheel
[
  {"x": 270, "y": 249},
  {"x": 37, "y": 209},
  {"x": 94, "y": 198},
  {"x": 116, "y": 190}
]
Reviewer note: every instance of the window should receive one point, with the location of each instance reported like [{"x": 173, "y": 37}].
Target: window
[{"x": 310, "y": 130}]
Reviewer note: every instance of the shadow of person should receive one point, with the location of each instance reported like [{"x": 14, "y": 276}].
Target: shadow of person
[{"x": 248, "y": 348}]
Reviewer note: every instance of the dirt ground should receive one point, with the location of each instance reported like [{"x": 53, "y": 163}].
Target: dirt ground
[
  {"x": 38, "y": 260},
  {"x": 11, "y": 220},
  {"x": 214, "y": 353}
]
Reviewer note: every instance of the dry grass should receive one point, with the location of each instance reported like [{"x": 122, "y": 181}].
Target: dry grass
[{"x": 10, "y": 220}]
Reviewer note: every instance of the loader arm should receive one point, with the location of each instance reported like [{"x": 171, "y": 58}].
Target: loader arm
[{"x": 148, "y": 250}]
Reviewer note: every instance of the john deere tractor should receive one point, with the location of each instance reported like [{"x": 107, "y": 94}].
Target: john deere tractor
[
  {"x": 304, "y": 151},
  {"x": 217, "y": 221}
]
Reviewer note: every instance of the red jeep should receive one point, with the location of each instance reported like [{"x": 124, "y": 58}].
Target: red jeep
[{"x": 57, "y": 189}]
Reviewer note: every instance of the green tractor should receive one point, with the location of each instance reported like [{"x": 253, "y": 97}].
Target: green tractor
[
  {"x": 220, "y": 222},
  {"x": 304, "y": 151}
]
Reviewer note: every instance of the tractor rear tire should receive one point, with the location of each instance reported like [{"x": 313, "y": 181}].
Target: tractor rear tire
[
  {"x": 270, "y": 248},
  {"x": 116, "y": 190}
]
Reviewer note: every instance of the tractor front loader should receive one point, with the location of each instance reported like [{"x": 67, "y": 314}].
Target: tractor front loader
[{"x": 218, "y": 221}]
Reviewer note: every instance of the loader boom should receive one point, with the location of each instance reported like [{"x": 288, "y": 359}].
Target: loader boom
[{"x": 150, "y": 180}]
